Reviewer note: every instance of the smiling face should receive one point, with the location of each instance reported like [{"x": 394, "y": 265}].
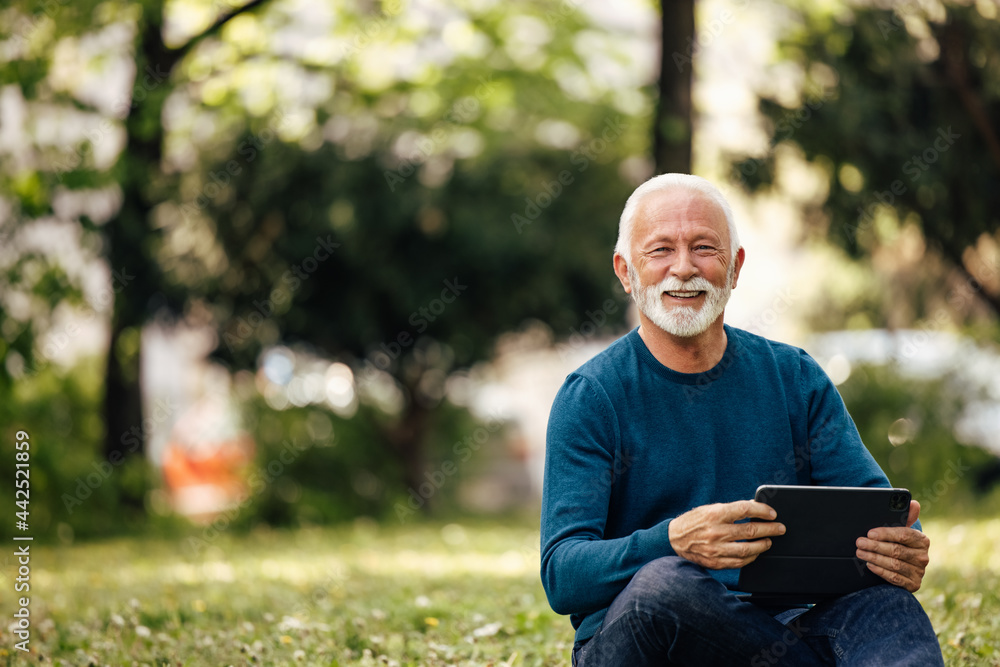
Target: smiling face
[{"x": 682, "y": 269}]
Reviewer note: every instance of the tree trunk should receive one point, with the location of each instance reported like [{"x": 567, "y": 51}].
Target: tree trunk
[
  {"x": 124, "y": 433},
  {"x": 127, "y": 245},
  {"x": 136, "y": 276},
  {"x": 672, "y": 123},
  {"x": 407, "y": 438}
]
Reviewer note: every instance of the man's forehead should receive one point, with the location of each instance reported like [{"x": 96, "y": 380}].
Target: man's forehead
[{"x": 663, "y": 210}]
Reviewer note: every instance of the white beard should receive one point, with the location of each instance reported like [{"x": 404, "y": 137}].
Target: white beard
[{"x": 683, "y": 321}]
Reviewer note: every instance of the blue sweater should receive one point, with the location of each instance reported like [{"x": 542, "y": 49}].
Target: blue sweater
[{"x": 632, "y": 444}]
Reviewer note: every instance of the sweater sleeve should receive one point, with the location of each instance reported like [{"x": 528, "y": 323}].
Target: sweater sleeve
[{"x": 581, "y": 571}]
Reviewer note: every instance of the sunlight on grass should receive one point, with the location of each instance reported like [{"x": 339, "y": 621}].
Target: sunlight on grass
[
  {"x": 436, "y": 565},
  {"x": 370, "y": 595},
  {"x": 968, "y": 547},
  {"x": 961, "y": 591},
  {"x": 360, "y": 594}
]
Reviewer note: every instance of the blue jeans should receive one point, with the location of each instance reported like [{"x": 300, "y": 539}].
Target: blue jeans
[{"x": 674, "y": 613}]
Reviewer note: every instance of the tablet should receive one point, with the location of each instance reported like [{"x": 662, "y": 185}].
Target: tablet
[{"x": 815, "y": 558}]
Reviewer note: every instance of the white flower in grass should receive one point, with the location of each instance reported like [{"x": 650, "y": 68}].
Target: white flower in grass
[
  {"x": 299, "y": 655},
  {"x": 290, "y": 623},
  {"x": 422, "y": 601},
  {"x": 487, "y": 630},
  {"x": 143, "y": 631},
  {"x": 117, "y": 620}
]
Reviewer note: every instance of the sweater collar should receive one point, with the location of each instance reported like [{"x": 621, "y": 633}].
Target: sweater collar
[{"x": 714, "y": 373}]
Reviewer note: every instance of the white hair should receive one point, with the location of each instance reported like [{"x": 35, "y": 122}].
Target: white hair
[{"x": 665, "y": 182}]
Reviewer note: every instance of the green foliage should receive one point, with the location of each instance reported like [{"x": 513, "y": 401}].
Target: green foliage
[
  {"x": 386, "y": 218},
  {"x": 483, "y": 163},
  {"x": 315, "y": 467},
  {"x": 312, "y": 466},
  {"x": 320, "y": 484},
  {"x": 898, "y": 111},
  {"x": 389, "y": 278},
  {"x": 73, "y": 492},
  {"x": 941, "y": 473},
  {"x": 449, "y": 176},
  {"x": 366, "y": 204},
  {"x": 30, "y": 275}
]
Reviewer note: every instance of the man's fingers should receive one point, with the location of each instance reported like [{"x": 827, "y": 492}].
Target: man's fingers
[
  {"x": 752, "y": 530},
  {"x": 910, "y": 537},
  {"x": 746, "y": 509},
  {"x": 894, "y": 550},
  {"x": 746, "y": 549},
  {"x": 896, "y": 578},
  {"x": 887, "y": 562},
  {"x": 914, "y": 513},
  {"x": 734, "y": 554},
  {"x": 710, "y": 535},
  {"x": 894, "y": 571}
]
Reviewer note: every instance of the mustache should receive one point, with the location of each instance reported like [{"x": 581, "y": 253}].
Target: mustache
[{"x": 675, "y": 284}]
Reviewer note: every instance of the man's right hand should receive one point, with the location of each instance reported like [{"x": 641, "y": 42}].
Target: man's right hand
[{"x": 709, "y": 536}]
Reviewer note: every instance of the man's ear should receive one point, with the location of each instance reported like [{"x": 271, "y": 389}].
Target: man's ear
[
  {"x": 621, "y": 270},
  {"x": 740, "y": 257}
]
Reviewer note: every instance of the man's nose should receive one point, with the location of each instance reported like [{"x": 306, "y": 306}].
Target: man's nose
[{"x": 683, "y": 267}]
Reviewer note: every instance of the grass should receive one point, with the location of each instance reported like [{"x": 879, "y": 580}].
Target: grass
[{"x": 370, "y": 595}]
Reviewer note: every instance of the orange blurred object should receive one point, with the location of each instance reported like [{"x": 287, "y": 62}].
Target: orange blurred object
[
  {"x": 204, "y": 462},
  {"x": 209, "y": 479}
]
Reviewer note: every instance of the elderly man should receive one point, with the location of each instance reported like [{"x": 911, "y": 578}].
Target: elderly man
[{"x": 655, "y": 447}]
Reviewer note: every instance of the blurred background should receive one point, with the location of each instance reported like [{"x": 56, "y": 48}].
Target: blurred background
[{"x": 291, "y": 262}]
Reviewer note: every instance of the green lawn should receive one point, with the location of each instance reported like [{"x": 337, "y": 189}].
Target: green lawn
[{"x": 364, "y": 594}]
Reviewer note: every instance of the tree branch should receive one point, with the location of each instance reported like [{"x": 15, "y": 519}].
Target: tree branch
[
  {"x": 974, "y": 285},
  {"x": 952, "y": 41},
  {"x": 979, "y": 289},
  {"x": 213, "y": 29}
]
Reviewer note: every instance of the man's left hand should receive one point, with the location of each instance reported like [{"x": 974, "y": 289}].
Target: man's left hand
[{"x": 898, "y": 555}]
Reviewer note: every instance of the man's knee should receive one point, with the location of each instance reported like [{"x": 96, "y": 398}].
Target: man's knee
[
  {"x": 673, "y": 569},
  {"x": 888, "y": 596},
  {"x": 889, "y": 621},
  {"x": 895, "y": 607},
  {"x": 670, "y": 582}
]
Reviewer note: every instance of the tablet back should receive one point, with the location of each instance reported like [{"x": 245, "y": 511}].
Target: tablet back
[{"x": 815, "y": 558}]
